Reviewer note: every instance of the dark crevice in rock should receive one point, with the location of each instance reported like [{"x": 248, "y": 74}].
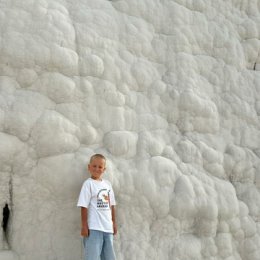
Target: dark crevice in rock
[{"x": 6, "y": 214}]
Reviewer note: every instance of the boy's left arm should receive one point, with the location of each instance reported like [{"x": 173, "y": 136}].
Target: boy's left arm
[{"x": 113, "y": 212}]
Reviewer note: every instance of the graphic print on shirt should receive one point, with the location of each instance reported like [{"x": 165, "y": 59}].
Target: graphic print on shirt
[{"x": 103, "y": 201}]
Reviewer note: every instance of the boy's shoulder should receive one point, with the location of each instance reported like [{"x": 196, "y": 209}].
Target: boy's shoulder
[{"x": 87, "y": 182}]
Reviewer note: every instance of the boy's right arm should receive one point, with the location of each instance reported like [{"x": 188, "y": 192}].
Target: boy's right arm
[{"x": 84, "y": 222}]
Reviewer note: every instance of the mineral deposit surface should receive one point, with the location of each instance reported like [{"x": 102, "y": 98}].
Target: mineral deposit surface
[{"x": 168, "y": 90}]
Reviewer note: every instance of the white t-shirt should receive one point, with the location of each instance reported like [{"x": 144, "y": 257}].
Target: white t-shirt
[{"x": 98, "y": 197}]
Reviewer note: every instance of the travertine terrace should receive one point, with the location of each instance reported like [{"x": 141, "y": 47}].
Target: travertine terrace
[{"x": 168, "y": 90}]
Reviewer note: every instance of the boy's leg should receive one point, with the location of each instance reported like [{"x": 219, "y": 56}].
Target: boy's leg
[
  {"x": 93, "y": 245},
  {"x": 108, "y": 249}
]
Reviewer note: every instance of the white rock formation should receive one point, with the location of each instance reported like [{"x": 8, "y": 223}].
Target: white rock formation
[{"x": 168, "y": 90}]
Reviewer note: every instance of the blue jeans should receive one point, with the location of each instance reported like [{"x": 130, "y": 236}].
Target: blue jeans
[{"x": 99, "y": 246}]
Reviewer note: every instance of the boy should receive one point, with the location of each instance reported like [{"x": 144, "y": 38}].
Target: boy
[{"x": 97, "y": 204}]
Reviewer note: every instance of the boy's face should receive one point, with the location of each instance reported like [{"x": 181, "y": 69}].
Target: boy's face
[{"x": 96, "y": 168}]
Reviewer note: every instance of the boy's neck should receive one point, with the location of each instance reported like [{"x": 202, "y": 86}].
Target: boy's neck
[{"x": 96, "y": 179}]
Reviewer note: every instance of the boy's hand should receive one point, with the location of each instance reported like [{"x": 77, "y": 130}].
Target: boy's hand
[
  {"x": 115, "y": 229},
  {"x": 84, "y": 231}
]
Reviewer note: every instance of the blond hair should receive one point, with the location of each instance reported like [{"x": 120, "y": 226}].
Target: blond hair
[{"x": 97, "y": 155}]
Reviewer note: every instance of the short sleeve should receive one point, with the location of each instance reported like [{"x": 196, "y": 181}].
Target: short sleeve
[
  {"x": 112, "y": 197},
  {"x": 85, "y": 195}
]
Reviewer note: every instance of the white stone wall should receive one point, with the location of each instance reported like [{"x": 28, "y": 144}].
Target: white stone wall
[{"x": 168, "y": 90}]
